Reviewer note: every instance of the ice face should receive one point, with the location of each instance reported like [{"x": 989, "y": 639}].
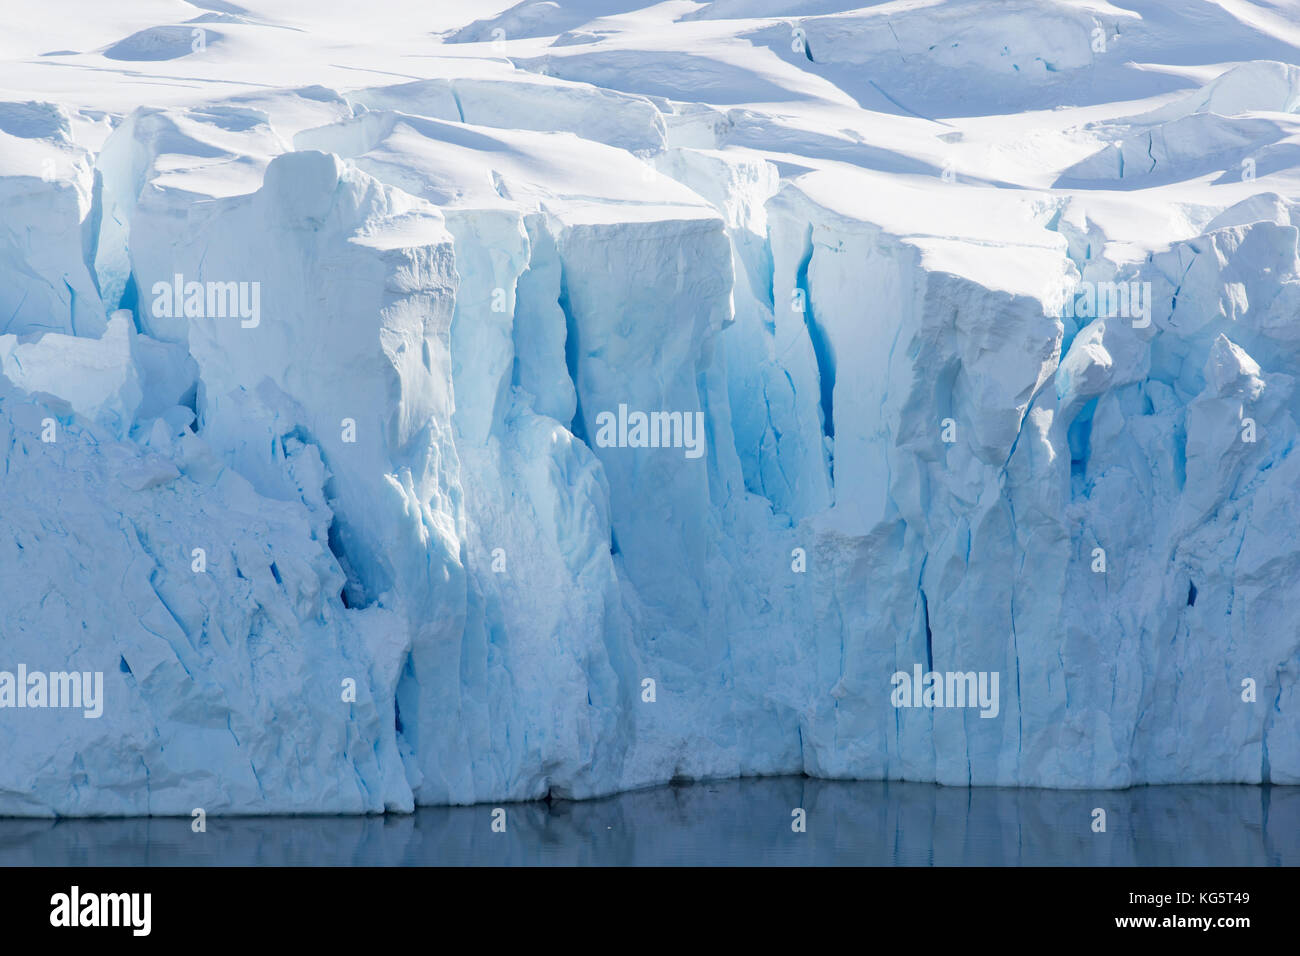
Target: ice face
[{"x": 644, "y": 407}]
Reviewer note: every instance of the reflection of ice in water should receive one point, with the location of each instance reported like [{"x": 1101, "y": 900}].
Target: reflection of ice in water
[{"x": 734, "y": 822}]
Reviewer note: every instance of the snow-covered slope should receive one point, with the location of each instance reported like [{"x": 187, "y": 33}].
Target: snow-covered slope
[{"x": 972, "y": 328}]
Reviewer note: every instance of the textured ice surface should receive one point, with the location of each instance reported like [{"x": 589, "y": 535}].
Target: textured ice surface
[{"x": 337, "y": 523}]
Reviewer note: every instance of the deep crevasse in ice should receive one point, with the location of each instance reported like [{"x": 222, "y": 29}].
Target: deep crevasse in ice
[{"x": 393, "y": 477}]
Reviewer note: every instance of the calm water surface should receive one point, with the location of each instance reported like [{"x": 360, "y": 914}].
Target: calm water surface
[{"x": 731, "y": 823}]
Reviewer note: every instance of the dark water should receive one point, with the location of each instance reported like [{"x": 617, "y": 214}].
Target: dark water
[{"x": 735, "y": 822}]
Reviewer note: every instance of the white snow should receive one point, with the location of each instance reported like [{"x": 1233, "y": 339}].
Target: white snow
[{"x": 360, "y": 549}]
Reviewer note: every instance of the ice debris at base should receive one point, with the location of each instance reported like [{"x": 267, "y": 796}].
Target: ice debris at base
[{"x": 307, "y": 333}]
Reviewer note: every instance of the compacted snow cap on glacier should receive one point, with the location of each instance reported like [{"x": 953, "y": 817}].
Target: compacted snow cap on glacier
[{"x": 455, "y": 407}]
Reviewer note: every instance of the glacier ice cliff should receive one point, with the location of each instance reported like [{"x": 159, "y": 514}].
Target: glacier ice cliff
[{"x": 362, "y": 551}]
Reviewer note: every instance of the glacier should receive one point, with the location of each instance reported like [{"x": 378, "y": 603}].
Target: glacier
[{"x": 366, "y": 552}]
